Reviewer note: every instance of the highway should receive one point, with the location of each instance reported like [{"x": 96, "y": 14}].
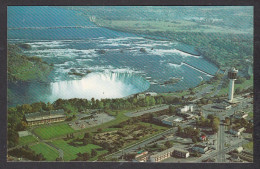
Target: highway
[
  {"x": 151, "y": 110},
  {"x": 221, "y": 144}
]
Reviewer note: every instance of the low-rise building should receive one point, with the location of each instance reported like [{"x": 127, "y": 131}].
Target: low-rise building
[
  {"x": 200, "y": 148},
  {"x": 141, "y": 157},
  {"x": 181, "y": 153},
  {"x": 151, "y": 94},
  {"x": 203, "y": 138},
  {"x": 172, "y": 120},
  {"x": 45, "y": 117},
  {"x": 140, "y": 96},
  {"x": 239, "y": 149},
  {"x": 162, "y": 155},
  {"x": 240, "y": 115},
  {"x": 186, "y": 109},
  {"x": 236, "y": 131}
]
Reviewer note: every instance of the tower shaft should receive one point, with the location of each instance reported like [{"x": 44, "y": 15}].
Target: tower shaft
[{"x": 231, "y": 89}]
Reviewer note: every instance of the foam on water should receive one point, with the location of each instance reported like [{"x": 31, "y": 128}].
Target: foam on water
[{"x": 99, "y": 85}]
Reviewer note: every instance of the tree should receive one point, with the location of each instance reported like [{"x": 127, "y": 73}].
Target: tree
[
  {"x": 26, "y": 108},
  {"x": 93, "y": 153},
  {"x": 85, "y": 156},
  {"x": 85, "y": 141},
  {"x": 194, "y": 139},
  {"x": 49, "y": 106},
  {"x": 179, "y": 131},
  {"x": 168, "y": 144},
  {"x": 93, "y": 103},
  {"x": 172, "y": 109},
  {"x": 215, "y": 125},
  {"x": 86, "y": 135},
  {"x": 227, "y": 121},
  {"x": 152, "y": 101},
  {"x": 238, "y": 90}
]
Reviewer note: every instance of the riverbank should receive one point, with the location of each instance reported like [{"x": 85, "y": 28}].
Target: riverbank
[{"x": 215, "y": 44}]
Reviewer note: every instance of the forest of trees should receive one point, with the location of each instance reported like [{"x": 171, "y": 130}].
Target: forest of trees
[{"x": 211, "y": 121}]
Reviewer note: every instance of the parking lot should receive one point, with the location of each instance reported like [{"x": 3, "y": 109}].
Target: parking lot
[{"x": 91, "y": 121}]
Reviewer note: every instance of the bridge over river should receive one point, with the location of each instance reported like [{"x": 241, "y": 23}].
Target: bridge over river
[
  {"x": 199, "y": 70},
  {"x": 55, "y": 27}
]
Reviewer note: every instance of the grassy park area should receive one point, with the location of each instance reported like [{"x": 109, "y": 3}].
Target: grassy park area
[
  {"x": 48, "y": 152},
  {"x": 249, "y": 146},
  {"x": 27, "y": 140},
  {"x": 70, "y": 152},
  {"x": 52, "y": 131}
]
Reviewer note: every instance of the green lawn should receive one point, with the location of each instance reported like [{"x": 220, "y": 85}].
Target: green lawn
[
  {"x": 248, "y": 146},
  {"x": 250, "y": 114},
  {"x": 48, "y": 152},
  {"x": 70, "y": 152},
  {"x": 27, "y": 139},
  {"x": 52, "y": 131}
]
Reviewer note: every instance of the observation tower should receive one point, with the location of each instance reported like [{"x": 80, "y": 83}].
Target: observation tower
[{"x": 232, "y": 75}]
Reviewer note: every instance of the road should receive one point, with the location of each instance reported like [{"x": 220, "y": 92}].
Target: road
[
  {"x": 221, "y": 144},
  {"x": 151, "y": 110}
]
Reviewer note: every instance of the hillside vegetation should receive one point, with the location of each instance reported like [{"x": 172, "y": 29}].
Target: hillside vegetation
[{"x": 25, "y": 68}]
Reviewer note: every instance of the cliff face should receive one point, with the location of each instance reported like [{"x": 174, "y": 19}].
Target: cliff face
[{"x": 24, "y": 68}]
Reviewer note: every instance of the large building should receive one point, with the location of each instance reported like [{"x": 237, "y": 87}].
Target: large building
[{"x": 45, "y": 117}]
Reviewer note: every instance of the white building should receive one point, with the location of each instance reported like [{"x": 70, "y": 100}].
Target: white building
[
  {"x": 162, "y": 155},
  {"x": 186, "y": 109},
  {"x": 168, "y": 153},
  {"x": 151, "y": 94},
  {"x": 172, "y": 120}
]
